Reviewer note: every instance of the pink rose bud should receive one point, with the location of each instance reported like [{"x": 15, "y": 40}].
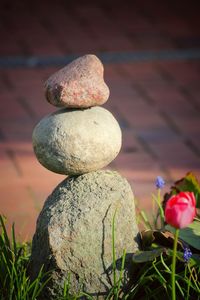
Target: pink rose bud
[{"x": 180, "y": 209}]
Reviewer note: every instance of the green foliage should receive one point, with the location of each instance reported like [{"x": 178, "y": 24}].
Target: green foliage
[
  {"x": 188, "y": 184},
  {"x": 154, "y": 272},
  {"x": 15, "y": 283},
  {"x": 149, "y": 255},
  {"x": 190, "y": 234},
  {"x": 153, "y": 279}
]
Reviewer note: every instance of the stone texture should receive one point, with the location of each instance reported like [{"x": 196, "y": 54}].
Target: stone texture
[
  {"x": 74, "y": 232},
  {"x": 78, "y": 85},
  {"x": 75, "y": 141}
]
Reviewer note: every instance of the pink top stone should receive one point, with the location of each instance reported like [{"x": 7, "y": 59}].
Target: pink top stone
[{"x": 78, "y": 85}]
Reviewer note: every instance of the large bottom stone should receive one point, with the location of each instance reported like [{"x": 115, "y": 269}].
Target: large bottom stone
[{"x": 74, "y": 232}]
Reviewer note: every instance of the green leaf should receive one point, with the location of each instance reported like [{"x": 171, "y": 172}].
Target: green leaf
[
  {"x": 144, "y": 256},
  {"x": 188, "y": 184},
  {"x": 190, "y": 234},
  {"x": 194, "y": 260}
]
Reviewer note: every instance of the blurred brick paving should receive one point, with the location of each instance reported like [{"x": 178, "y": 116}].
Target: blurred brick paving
[{"x": 157, "y": 103}]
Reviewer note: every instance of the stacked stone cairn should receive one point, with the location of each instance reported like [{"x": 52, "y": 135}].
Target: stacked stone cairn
[{"x": 74, "y": 229}]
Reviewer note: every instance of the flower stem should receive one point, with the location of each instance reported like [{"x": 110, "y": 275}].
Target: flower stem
[
  {"x": 160, "y": 208},
  {"x": 173, "y": 281}
]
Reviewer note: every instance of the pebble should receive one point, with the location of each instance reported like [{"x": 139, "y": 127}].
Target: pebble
[
  {"x": 78, "y": 85},
  {"x": 77, "y": 141}
]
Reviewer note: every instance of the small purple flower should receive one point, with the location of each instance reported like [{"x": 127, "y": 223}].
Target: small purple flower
[
  {"x": 187, "y": 254},
  {"x": 159, "y": 182}
]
